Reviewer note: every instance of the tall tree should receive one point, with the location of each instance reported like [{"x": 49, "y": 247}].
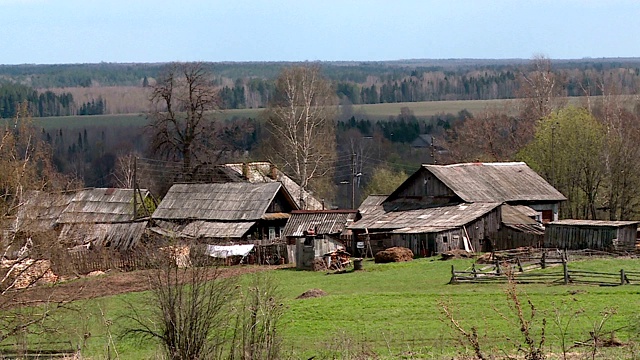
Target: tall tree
[
  {"x": 182, "y": 127},
  {"x": 567, "y": 150},
  {"x": 301, "y": 128},
  {"x": 540, "y": 89}
]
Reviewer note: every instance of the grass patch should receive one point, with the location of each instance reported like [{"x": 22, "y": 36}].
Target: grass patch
[{"x": 389, "y": 309}]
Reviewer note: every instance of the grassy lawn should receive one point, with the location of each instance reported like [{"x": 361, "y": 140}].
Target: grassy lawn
[{"x": 389, "y": 309}]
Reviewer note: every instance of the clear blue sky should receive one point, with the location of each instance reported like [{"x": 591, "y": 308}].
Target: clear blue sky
[{"x": 88, "y": 31}]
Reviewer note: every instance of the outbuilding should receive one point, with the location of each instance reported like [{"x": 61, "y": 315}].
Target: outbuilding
[{"x": 591, "y": 234}]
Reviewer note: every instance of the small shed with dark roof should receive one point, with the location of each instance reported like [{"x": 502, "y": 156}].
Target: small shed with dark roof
[{"x": 591, "y": 234}]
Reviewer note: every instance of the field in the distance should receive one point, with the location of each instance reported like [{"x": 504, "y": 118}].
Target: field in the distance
[{"x": 393, "y": 309}]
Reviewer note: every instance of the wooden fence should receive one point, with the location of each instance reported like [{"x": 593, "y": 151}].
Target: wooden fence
[{"x": 510, "y": 266}]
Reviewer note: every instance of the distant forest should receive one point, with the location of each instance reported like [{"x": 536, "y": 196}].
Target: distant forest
[{"x": 251, "y": 85}]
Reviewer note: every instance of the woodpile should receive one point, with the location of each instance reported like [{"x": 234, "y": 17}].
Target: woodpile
[
  {"x": 456, "y": 254},
  {"x": 394, "y": 254},
  {"x": 335, "y": 260},
  {"x": 28, "y": 272}
]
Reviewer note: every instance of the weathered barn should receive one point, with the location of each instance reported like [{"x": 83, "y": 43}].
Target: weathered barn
[
  {"x": 313, "y": 233},
  {"x": 496, "y": 206},
  {"x": 591, "y": 234},
  {"x": 513, "y": 183},
  {"x": 224, "y": 211},
  {"x": 430, "y": 230},
  {"x": 104, "y": 217}
]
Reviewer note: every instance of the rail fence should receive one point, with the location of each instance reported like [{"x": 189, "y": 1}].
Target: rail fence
[{"x": 517, "y": 267}]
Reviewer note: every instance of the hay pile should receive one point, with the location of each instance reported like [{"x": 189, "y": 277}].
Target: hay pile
[
  {"x": 313, "y": 293},
  {"x": 394, "y": 254}
]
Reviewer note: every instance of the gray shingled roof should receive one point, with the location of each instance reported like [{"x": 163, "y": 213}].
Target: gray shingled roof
[
  {"x": 222, "y": 201},
  {"x": 325, "y": 222},
  {"x": 495, "y": 182},
  {"x": 100, "y": 205},
  {"x": 443, "y": 217},
  {"x": 42, "y": 209},
  {"x": 120, "y": 236},
  {"x": 573, "y": 222},
  {"x": 204, "y": 229}
]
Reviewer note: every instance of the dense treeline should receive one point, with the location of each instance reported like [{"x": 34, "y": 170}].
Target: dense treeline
[
  {"x": 251, "y": 85},
  {"x": 41, "y": 104}
]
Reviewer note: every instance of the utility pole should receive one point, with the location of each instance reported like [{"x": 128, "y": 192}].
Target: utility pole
[
  {"x": 433, "y": 151},
  {"x": 135, "y": 185},
  {"x": 353, "y": 180}
]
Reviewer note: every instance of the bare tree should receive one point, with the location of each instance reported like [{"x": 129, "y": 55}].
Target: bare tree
[
  {"x": 188, "y": 309},
  {"x": 124, "y": 172},
  {"x": 182, "y": 127},
  {"x": 540, "y": 90},
  {"x": 301, "y": 127}
]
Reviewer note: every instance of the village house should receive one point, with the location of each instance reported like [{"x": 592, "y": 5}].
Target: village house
[
  {"x": 311, "y": 234},
  {"x": 224, "y": 213},
  {"x": 473, "y": 206}
]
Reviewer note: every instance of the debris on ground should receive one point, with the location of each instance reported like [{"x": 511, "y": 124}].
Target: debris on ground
[
  {"x": 313, "y": 293},
  {"x": 456, "y": 254},
  {"x": 394, "y": 254},
  {"x": 337, "y": 260},
  {"x": 95, "y": 273},
  {"x": 29, "y": 272}
]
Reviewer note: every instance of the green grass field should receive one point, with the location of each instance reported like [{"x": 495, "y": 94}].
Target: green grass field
[{"x": 390, "y": 309}]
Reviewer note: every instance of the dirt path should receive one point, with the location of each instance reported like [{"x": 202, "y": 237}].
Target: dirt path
[{"x": 111, "y": 283}]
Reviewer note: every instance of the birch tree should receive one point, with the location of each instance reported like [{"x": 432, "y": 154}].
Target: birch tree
[
  {"x": 540, "y": 89},
  {"x": 301, "y": 128}
]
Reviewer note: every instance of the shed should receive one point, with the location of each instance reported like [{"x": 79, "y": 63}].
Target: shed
[
  {"x": 314, "y": 233},
  {"x": 591, "y": 234}
]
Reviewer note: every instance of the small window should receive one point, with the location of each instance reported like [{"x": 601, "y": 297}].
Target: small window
[
  {"x": 272, "y": 233},
  {"x": 444, "y": 239}
]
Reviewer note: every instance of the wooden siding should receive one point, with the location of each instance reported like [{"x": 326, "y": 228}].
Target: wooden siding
[
  {"x": 576, "y": 237},
  {"x": 427, "y": 188},
  {"x": 508, "y": 238}
]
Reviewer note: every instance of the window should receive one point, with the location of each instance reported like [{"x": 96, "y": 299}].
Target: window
[
  {"x": 272, "y": 233},
  {"x": 444, "y": 239}
]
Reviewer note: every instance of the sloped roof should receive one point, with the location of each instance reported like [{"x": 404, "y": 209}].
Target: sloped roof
[
  {"x": 573, "y": 222},
  {"x": 265, "y": 172},
  {"x": 443, "y": 217},
  {"x": 42, "y": 209},
  {"x": 221, "y": 201},
  {"x": 100, "y": 205},
  {"x": 324, "y": 222},
  {"x": 372, "y": 204},
  {"x": 119, "y": 236},
  {"x": 204, "y": 229},
  {"x": 495, "y": 182},
  {"x": 517, "y": 215}
]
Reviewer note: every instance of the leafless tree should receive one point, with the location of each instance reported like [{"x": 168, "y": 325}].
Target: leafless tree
[
  {"x": 124, "y": 172},
  {"x": 182, "y": 126},
  {"x": 540, "y": 90},
  {"x": 301, "y": 127},
  {"x": 188, "y": 309}
]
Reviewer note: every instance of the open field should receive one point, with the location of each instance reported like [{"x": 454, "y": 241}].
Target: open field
[{"x": 391, "y": 309}]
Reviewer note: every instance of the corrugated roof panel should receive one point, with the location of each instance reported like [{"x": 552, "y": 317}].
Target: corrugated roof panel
[{"x": 330, "y": 222}]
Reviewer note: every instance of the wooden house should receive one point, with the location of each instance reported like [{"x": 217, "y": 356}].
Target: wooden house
[
  {"x": 591, "y": 234},
  {"x": 313, "y": 233},
  {"x": 513, "y": 183},
  {"x": 224, "y": 211},
  {"x": 474, "y": 206}
]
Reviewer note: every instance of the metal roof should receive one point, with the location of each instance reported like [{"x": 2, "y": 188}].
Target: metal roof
[
  {"x": 221, "y": 201},
  {"x": 444, "y": 217},
  {"x": 323, "y": 222},
  {"x": 495, "y": 182},
  {"x": 265, "y": 172},
  {"x": 574, "y": 222},
  {"x": 100, "y": 205}
]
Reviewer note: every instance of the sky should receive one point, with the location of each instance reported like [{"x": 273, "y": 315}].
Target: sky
[{"x": 91, "y": 31}]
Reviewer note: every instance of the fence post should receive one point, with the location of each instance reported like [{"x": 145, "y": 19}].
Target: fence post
[
  {"x": 543, "y": 259},
  {"x": 622, "y": 277},
  {"x": 565, "y": 269},
  {"x": 519, "y": 264},
  {"x": 498, "y": 267},
  {"x": 473, "y": 268},
  {"x": 453, "y": 276}
]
